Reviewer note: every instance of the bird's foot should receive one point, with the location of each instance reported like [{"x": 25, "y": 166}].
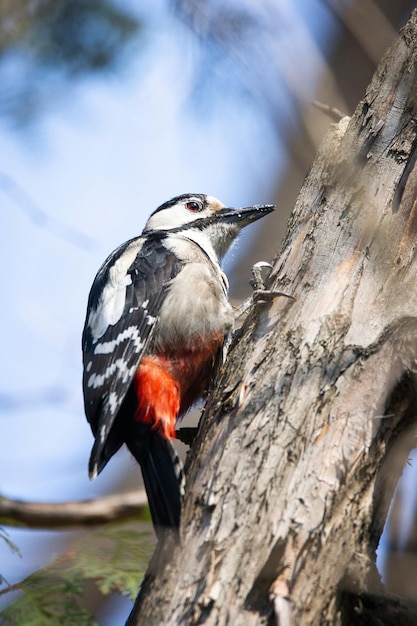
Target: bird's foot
[{"x": 260, "y": 295}]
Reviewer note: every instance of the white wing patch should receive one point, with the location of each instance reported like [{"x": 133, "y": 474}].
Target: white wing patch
[
  {"x": 107, "y": 347},
  {"x": 103, "y": 433},
  {"x": 112, "y": 301},
  {"x": 113, "y": 401},
  {"x": 97, "y": 380}
]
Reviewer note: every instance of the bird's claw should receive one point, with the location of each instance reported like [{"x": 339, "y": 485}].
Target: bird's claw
[
  {"x": 257, "y": 282},
  {"x": 260, "y": 295}
]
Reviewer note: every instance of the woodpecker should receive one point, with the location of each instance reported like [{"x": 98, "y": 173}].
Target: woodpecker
[{"x": 157, "y": 319}]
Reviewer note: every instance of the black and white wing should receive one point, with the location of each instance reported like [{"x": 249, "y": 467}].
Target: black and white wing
[{"x": 123, "y": 308}]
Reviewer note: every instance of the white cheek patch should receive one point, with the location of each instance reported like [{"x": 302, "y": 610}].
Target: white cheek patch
[
  {"x": 172, "y": 217},
  {"x": 112, "y": 301}
]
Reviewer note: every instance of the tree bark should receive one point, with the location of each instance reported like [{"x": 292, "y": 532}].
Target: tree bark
[{"x": 289, "y": 481}]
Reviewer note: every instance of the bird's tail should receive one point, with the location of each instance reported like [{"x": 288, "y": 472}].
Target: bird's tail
[{"x": 162, "y": 474}]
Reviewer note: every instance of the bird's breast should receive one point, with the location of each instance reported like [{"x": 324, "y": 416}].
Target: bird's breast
[{"x": 195, "y": 310}]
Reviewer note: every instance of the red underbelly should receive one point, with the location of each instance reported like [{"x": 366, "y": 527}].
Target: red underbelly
[{"x": 167, "y": 385}]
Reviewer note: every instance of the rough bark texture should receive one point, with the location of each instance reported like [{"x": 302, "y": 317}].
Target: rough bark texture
[{"x": 289, "y": 480}]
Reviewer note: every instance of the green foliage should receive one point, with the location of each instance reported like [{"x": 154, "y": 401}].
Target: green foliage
[
  {"x": 47, "y": 45},
  {"x": 13, "y": 547},
  {"x": 114, "y": 558},
  {"x": 80, "y": 36},
  {"x": 48, "y": 599}
]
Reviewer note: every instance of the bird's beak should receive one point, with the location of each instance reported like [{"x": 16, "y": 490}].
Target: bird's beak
[{"x": 244, "y": 216}]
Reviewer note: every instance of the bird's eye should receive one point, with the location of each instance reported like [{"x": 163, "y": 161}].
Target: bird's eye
[{"x": 194, "y": 206}]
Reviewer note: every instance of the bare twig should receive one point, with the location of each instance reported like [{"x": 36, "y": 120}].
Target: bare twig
[
  {"x": 332, "y": 112},
  {"x": 60, "y": 515}
]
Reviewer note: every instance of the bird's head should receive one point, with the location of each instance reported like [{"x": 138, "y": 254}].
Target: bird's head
[{"x": 204, "y": 219}]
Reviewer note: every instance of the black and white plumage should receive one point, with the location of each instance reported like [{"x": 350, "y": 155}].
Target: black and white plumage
[
  {"x": 156, "y": 320},
  {"x": 123, "y": 306}
]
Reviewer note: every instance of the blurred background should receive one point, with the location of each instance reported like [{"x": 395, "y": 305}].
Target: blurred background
[{"x": 107, "y": 109}]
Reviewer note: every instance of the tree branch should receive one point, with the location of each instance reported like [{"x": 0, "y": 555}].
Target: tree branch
[{"x": 61, "y": 515}]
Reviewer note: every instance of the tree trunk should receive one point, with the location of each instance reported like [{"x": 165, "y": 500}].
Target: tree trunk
[{"x": 288, "y": 481}]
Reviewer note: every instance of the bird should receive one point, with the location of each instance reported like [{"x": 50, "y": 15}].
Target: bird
[{"x": 157, "y": 320}]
